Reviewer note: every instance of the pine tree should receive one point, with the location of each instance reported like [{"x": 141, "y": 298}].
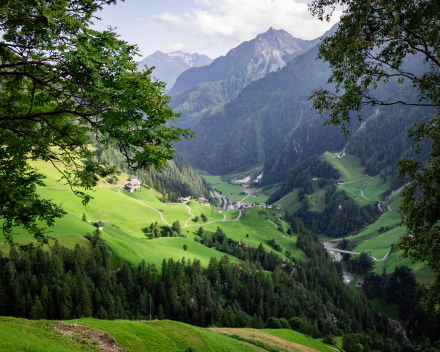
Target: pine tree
[
  {"x": 102, "y": 313},
  {"x": 84, "y": 217},
  {"x": 160, "y": 313}
]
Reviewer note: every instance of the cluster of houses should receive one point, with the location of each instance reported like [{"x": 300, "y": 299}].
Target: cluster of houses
[
  {"x": 132, "y": 184},
  {"x": 245, "y": 205}
]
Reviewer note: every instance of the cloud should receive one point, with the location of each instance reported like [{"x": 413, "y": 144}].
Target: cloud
[
  {"x": 239, "y": 20},
  {"x": 176, "y": 47}
]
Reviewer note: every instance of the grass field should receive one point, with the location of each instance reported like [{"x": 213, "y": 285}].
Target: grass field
[
  {"x": 282, "y": 339},
  {"x": 349, "y": 166},
  {"x": 293, "y": 336},
  {"x": 87, "y": 334},
  {"x": 372, "y": 189},
  {"x": 232, "y": 191},
  {"x": 129, "y": 239}
]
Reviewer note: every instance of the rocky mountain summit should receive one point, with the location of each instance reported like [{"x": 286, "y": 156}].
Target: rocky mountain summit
[
  {"x": 274, "y": 49},
  {"x": 199, "y": 89},
  {"x": 170, "y": 65}
]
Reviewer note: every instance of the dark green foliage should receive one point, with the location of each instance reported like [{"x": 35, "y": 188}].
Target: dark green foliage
[
  {"x": 65, "y": 84},
  {"x": 84, "y": 218},
  {"x": 185, "y": 247},
  {"x": 300, "y": 176},
  {"x": 269, "y": 115},
  {"x": 284, "y": 323},
  {"x": 401, "y": 288},
  {"x": 341, "y": 217},
  {"x": 273, "y": 323},
  {"x": 361, "y": 265},
  {"x": 328, "y": 339}
]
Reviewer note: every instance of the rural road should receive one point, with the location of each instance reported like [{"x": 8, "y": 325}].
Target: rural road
[
  {"x": 223, "y": 198},
  {"x": 161, "y": 216},
  {"x": 189, "y": 210}
]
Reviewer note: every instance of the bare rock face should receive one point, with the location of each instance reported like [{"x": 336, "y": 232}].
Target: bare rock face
[
  {"x": 273, "y": 50},
  {"x": 168, "y": 66}
]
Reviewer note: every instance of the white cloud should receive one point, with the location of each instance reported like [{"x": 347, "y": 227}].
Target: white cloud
[
  {"x": 239, "y": 20},
  {"x": 176, "y": 47}
]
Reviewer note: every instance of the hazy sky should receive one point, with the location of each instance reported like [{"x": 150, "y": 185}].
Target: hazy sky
[{"x": 210, "y": 27}]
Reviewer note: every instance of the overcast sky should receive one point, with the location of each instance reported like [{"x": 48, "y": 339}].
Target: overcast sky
[{"x": 210, "y": 27}]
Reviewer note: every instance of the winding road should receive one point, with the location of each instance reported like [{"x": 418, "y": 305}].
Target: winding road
[{"x": 189, "y": 211}]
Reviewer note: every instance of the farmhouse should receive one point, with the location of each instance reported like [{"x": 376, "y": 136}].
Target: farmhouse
[
  {"x": 340, "y": 182},
  {"x": 99, "y": 225},
  {"x": 248, "y": 205},
  {"x": 219, "y": 209},
  {"x": 315, "y": 178},
  {"x": 263, "y": 205},
  {"x": 269, "y": 206},
  {"x": 279, "y": 206},
  {"x": 204, "y": 201},
  {"x": 186, "y": 199},
  {"x": 132, "y": 184}
]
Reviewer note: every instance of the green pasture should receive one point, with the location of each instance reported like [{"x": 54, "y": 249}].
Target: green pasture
[
  {"x": 164, "y": 335},
  {"x": 134, "y": 250},
  {"x": 107, "y": 205},
  {"x": 36, "y": 336},
  {"x": 349, "y": 166},
  {"x": 259, "y": 230},
  {"x": 423, "y": 273},
  {"x": 260, "y": 198},
  {"x": 372, "y": 190},
  {"x": 381, "y": 245},
  {"x": 387, "y": 220},
  {"x": 293, "y": 336},
  {"x": 198, "y": 209},
  {"x": 290, "y": 202},
  {"x": 232, "y": 191}
]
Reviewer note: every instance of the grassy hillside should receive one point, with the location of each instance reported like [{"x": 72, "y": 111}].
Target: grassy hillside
[
  {"x": 280, "y": 340},
  {"x": 158, "y": 335},
  {"x": 232, "y": 191},
  {"x": 128, "y": 216}
]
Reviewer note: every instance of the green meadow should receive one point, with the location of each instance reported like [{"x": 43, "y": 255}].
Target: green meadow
[
  {"x": 293, "y": 336},
  {"x": 161, "y": 335},
  {"x": 232, "y": 191},
  {"x": 349, "y": 166}
]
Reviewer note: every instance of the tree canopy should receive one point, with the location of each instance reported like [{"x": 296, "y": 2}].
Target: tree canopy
[
  {"x": 383, "y": 44},
  {"x": 63, "y": 83}
]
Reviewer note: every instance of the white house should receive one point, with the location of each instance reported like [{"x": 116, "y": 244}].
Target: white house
[
  {"x": 132, "y": 184},
  {"x": 263, "y": 205},
  {"x": 204, "y": 201},
  {"x": 186, "y": 199},
  {"x": 269, "y": 206},
  {"x": 279, "y": 206}
]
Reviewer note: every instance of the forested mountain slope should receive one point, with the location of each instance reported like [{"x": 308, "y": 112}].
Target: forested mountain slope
[
  {"x": 254, "y": 126},
  {"x": 198, "y": 89}
]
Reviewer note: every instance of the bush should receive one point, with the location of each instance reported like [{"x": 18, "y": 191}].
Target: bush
[
  {"x": 328, "y": 339},
  {"x": 185, "y": 247},
  {"x": 285, "y": 324},
  {"x": 272, "y": 323},
  {"x": 295, "y": 323}
]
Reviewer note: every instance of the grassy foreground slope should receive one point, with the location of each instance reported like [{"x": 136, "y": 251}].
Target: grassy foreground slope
[
  {"x": 125, "y": 335},
  {"x": 278, "y": 339}
]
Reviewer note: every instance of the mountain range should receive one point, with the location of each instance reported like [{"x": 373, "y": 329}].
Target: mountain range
[
  {"x": 169, "y": 66},
  {"x": 201, "y": 88}
]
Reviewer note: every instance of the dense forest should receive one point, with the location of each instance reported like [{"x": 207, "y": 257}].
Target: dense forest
[
  {"x": 341, "y": 217},
  {"x": 178, "y": 179},
  {"x": 266, "y": 114},
  {"x": 309, "y": 296},
  {"x": 300, "y": 176}
]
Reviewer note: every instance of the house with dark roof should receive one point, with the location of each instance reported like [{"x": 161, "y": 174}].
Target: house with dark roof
[
  {"x": 99, "y": 225},
  {"x": 340, "y": 182}
]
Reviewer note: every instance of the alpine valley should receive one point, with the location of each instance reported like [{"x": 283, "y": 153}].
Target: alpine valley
[{"x": 268, "y": 231}]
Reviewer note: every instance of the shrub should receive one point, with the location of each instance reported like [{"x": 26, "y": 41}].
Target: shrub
[
  {"x": 284, "y": 323},
  {"x": 272, "y": 323}
]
